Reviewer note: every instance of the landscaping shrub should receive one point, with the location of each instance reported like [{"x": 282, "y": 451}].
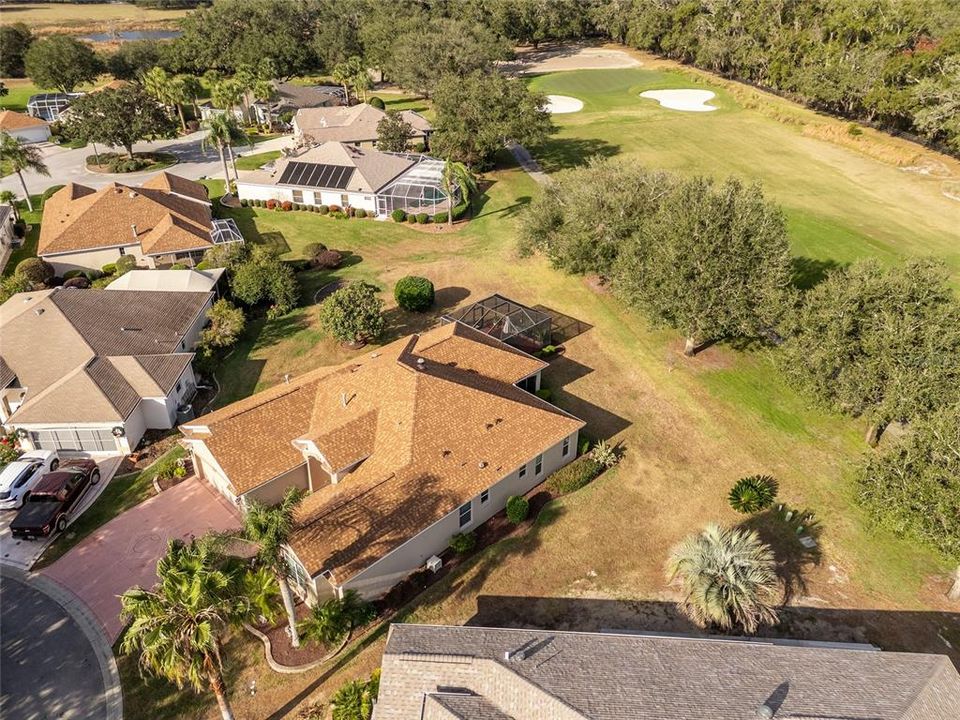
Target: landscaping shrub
[
  {"x": 92, "y": 275},
  {"x": 244, "y": 202},
  {"x": 574, "y": 476},
  {"x": 350, "y": 211},
  {"x": 70, "y": 274},
  {"x": 323, "y": 209},
  {"x": 203, "y": 265},
  {"x": 109, "y": 269},
  {"x": 20, "y": 229},
  {"x": 460, "y": 210},
  {"x": 286, "y": 206},
  {"x": 361, "y": 213},
  {"x": 311, "y": 250},
  {"x": 77, "y": 282},
  {"x": 753, "y": 494},
  {"x": 125, "y": 263},
  {"x": 338, "y": 215},
  {"x": 328, "y": 259},
  {"x": 517, "y": 509},
  {"x": 412, "y": 219},
  {"x": 335, "y": 208},
  {"x": 854, "y": 129},
  {"x": 545, "y": 394},
  {"x": 605, "y": 454},
  {"x": 414, "y": 293},
  {"x": 271, "y": 204},
  {"x": 376, "y": 102},
  {"x": 462, "y": 543},
  {"x": 423, "y": 218},
  {"x": 37, "y": 270},
  {"x": 440, "y": 217},
  {"x": 179, "y": 266},
  {"x": 295, "y": 206},
  {"x": 257, "y": 203},
  {"x": 398, "y": 215}
]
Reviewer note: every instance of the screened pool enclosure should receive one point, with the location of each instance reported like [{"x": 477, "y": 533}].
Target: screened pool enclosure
[
  {"x": 515, "y": 324},
  {"x": 418, "y": 190},
  {"x": 48, "y": 106}
]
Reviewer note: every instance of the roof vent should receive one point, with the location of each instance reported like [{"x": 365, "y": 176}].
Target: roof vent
[
  {"x": 515, "y": 655},
  {"x": 38, "y": 311},
  {"x": 764, "y": 711},
  {"x": 134, "y": 193},
  {"x": 130, "y": 329},
  {"x": 483, "y": 464}
]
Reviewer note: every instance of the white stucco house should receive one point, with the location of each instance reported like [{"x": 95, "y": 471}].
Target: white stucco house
[
  {"x": 23, "y": 127},
  {"x": 92, "y": 370},
  {"x": 399, "y": 450},
  {"x": 339, "y": 175}
]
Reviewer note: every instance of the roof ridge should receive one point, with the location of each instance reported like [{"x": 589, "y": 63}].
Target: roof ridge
[{"x": 940, "y": 662}]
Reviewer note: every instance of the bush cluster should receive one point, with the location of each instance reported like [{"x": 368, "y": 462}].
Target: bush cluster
[
  {"x": 518, "y": 507},
  {"x": 574, "y": 476},
  {"x": 398, "y": 215},
  {"x": 462, "y": 543},
  {"x": 414, "y": 293}
]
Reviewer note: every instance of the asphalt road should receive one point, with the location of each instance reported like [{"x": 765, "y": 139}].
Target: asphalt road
[{"x": 48, "y": 667}]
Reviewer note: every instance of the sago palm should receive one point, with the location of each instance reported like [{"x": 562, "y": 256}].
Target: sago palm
[
  {"x": 270, "y": 528},
  {"x": 22, "y": 157},
  {"x": 178, "y": 626},
  {"x": 457, "y": 175},
  {"x": 728, "y": 578}
]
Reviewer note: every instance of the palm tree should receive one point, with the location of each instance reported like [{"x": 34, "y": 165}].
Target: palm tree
[
  {"x": 330, "y": 621},
  {"x": 22, "y": 157},
  {"x": 263, "y": 91},
  {"x": 192, "y": 89},
  {"x": 177, "y": 627},
  {"x": 728, "y": 577},
  {"x": 178, "y": 94},
  {"x": 223, "y": 132},
  {"x": 269, "y": 528},
  {"x": 158, "y": 84},
  {"x": 347, "y": 74},
  {"x": 9, "y": 197},
  {"x": 457, "y": 175},
  {"x": 228, "y": 94}
]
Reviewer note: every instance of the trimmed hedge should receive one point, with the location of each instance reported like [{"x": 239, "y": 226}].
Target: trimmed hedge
[
  {"x": 360, "y": 213},
  {"x": 462, "y": 543},
  {"x": 37, "y": 270},
  {"x": 398, "y": 215},
  {"x": 414, "y": 293},
  {"x": 323, "y": 209},
  {"x": 518, "y": 507},
  {"x": 376, "y": 102},
  {"x": 79, "y": 282},
  {"x": 109, "y": 269},
  {"x": 574, "y": 476}
]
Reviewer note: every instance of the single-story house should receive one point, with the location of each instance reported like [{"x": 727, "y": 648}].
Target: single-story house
[
  {"x": 169, "y": 280},
  {"x": 522, "y": 327},
  {"x": 399, "y": 450},
  {"x": 50, "y": 106},
  {"x": 438, "y": 672},
  {"x": 7, "y": 220},
  {"x": 92, "y": 370},
  {"x": 290, "y": 97},
  {"x": 23, "y": 127},
  {"x": 336, "y": 174},
  {"x": 165, "y": 220},
  {"x": 356, "y": 125}
]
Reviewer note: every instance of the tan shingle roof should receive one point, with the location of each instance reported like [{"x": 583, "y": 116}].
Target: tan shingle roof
[
  {"x": 78, "y": 218},
  {"x": 350, "y": 124},
  {"x": 612, "y": 676},
  {"x": 10, "y": 120},
  {"x": 168, "y": 182},
  {"x": 430, "y": 435},
  {"x": 7, "y": 375}
]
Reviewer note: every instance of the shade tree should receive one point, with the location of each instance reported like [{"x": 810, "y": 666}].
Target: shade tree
[
  {"x": 353, "y": 314},
  {"x": 119, "y": 117},
  {"x": 15, "y": 39},
  {"x": 263, "y": 278},
  {"x": 61, "y": 62}
]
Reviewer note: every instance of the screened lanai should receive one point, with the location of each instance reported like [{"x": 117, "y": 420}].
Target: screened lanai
[
  {"x": 418, "y": 190},
  {"x": 515, "y": 324},
  {"x": 48, "y": 106}
]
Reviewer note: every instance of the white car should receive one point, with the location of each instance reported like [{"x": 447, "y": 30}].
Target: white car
[{"x": 19, "y": 477}]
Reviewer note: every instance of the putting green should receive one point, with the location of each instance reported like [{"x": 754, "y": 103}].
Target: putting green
[{"x": 840, "y": 204}]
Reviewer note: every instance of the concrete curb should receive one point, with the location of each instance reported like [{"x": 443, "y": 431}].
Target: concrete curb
[
  {"x": 293, "y": 669},
  {"x": 90, "y": 627}
]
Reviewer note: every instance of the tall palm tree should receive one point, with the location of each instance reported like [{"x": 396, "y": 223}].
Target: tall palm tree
[
  {"x": 222, "y": 131},
  {"x": 457, "y": 175},
  {"x": 263, "y": 91},
  {"x": 22, "y": 157},
  {"x": 728, "y": 577},
  {"x": 192, "y": 89},
  {"x": 270, "y": 528},
  {"x": 178, "y": 94},
  {"x": 345, "y": 73},
  {"x": 158, "y": 84},
  {"x": 178, "y": 626},
  {"x": 228, "y": 94}
]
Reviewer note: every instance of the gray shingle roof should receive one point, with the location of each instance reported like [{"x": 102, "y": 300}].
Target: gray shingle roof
[
  {"x": 468, "y": 707},
  {"x": 165, "y": 369},
  {"x": 606, "y": 676},
  {"x": 113, "y": 385}
]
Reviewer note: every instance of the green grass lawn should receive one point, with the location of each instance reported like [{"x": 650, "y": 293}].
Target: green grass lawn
[
  {"x": 122, "y": 493},
  {"x": 840, "y": 204},
  {"x": 18, "y": 92},
  {"x": 29, "y": 246},
  {"x": 252, "y": 162}
]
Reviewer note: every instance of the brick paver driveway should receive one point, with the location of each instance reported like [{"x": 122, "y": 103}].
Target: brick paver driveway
[{"x": 124, "y": 552}]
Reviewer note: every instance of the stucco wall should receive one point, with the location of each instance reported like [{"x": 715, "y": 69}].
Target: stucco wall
[
  {"x": 207, "y": 468},
  {"x": 251, "y": 191},
  {"x": 92, "y": 259},
  {"x": 27, "y": 135},
  {"x": 394, "y": 567},
  {"x": 272, "y": 492}
]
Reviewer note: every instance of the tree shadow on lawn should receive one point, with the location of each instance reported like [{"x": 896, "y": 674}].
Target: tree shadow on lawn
[
  {"x": 783, "y": 536},
  {"x": 564, "y": 153},
  {"x": 810, "y": 272},
  {"x": 399, "y": 323},
  {"x": 894, "y": 630}
]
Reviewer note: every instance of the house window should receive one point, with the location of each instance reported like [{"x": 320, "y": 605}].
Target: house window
[
  {"x": 296, "y": 571},
  {"x": 123, "y": 251},
  {"x": 344, "y": 200},
  {"x": 566, "y": 446},
  {"x": 485, "y": 497},
  {"x": 538, "y": 465},
  {"x": 466, "y": 514},
  {"x": 522, "y": 472},
  {"x": 298, "y": 196},
  {"x": 179, "y": 385}
]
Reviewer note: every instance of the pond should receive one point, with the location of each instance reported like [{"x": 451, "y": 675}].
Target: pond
[{"x": 124, "y": 35}]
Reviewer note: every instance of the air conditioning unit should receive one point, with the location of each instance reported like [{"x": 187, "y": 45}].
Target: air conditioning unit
[{"x": 434, "y": 563}]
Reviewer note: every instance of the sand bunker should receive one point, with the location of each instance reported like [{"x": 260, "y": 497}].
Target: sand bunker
[
  {"x": 560, "y": 104},
  {"x": 684, "y": 100},
  {"x": 568, "y": 57}
]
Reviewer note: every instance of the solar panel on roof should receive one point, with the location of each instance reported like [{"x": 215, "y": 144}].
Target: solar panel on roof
[{"x": 316, "y": 175}]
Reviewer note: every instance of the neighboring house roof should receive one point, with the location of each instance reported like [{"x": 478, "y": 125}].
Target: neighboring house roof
[
  {"x": 168, "y": 280},
  {"x": 90, "y": 355},
  {"x": 290, "y": 95},
  {"x": 334, "y": 166},
  {"x": 170, "y": 214},
  {"x": 432, "y": 419},
  {"x": 351, "y": 124},
  {"x": 11, "y": 121},
  {"x": 611, "y": 676},
  {"x": 7, "y": 375}
]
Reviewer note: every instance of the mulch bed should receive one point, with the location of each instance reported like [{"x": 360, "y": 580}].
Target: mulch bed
[
  {"x": 283, "y": 652},
  {"x": 230, "y": 200},
  {"x": 154, "y": 444}
]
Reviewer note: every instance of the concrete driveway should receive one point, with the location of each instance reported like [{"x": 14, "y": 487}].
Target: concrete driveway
[
  {"x": 124, "y": 552},
  {"x": 24, "y": 553},
  {"x": 67, "y": 165}
]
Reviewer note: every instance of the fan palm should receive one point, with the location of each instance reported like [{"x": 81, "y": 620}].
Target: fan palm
[
  {"x": 353, "y": 701},
  {"x": 330, "y": 621},
  {"x": 177, "y": 627},
  {"x": 228, "y": 94},
  {"x": 161, "y": 87},
  {"x": 22, "y": 157},
  {"x": 728, "y": 578},
  {"x": 222, "y": 131},
  {"x": 457, "y": 175},
  {"x": 192, "y": 89},
  {"x": 269, "y": 528},
  {"x": 8, "y": 197}
]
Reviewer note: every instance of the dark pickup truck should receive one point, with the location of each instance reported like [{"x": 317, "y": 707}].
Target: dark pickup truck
[{"x": 52, "y": 499}]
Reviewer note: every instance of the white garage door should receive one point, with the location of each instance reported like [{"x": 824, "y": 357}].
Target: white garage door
[{"x": 95, "y": 440}]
